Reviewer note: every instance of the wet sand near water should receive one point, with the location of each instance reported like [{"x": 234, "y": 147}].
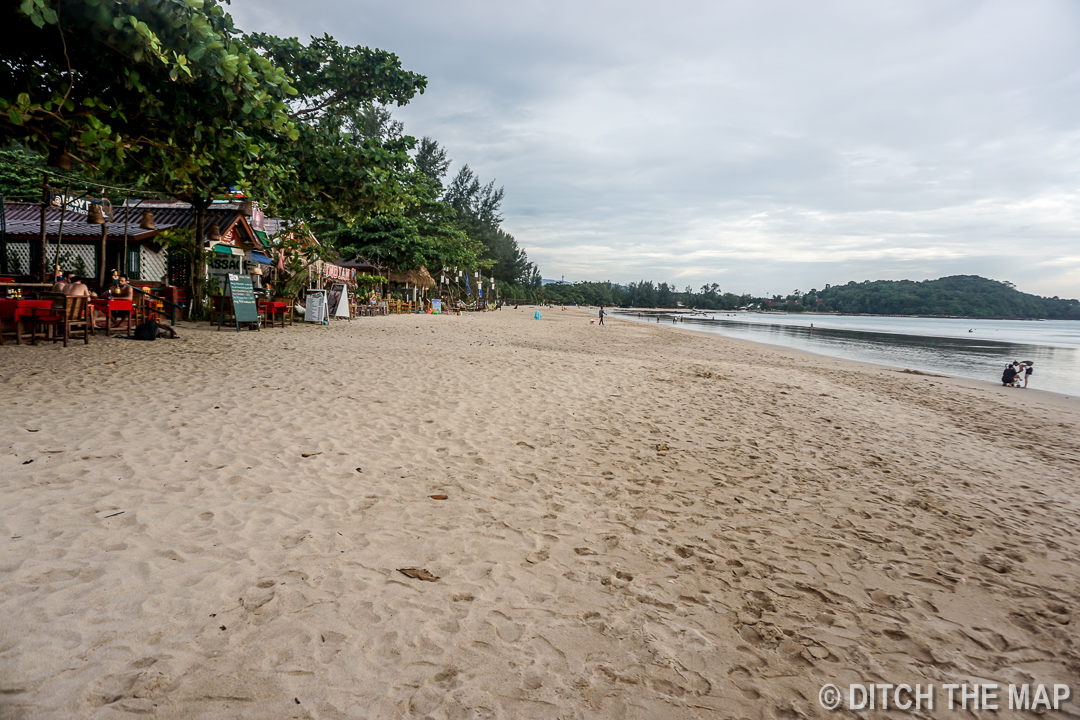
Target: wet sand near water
[{"x": 640, "y": 522}]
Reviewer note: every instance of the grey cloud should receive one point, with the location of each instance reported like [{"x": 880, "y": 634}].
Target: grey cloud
[{"x": 759, "y": 145}]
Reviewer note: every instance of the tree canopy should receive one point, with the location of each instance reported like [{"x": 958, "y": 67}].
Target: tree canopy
[{"x": 169, "y": 96}]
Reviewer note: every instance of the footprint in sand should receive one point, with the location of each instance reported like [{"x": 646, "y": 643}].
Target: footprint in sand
[{"x": 505, "y": 628}]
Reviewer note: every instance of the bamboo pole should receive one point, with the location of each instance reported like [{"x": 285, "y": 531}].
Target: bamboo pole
[
  {"x": 104, "y": 237},
  {"x": 42, "y": 261},
  {"x": 60, "y": 235},
  {"x": 123, "y": 256}
]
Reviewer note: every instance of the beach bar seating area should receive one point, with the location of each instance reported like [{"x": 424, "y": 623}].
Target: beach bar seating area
[{"x": 39, "y": 317}]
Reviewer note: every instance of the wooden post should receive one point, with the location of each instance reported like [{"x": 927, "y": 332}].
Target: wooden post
[
  {"x": 42, "y": 263},
  {"x": 60, "y": 233},
  {"x": 198, "y": 259},
  {"x": 123, "y": 253},
  {"x": 101, "y": 257}
]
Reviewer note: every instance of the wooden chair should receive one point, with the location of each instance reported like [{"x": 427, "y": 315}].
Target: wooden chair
[
  {"x": 220, "y": 306},
  {"x": 290, "y": 304},
  {"x": 273, "y": 309},
  {"x": 67, "y": 318},
  {"x": 9, "y": 323}
]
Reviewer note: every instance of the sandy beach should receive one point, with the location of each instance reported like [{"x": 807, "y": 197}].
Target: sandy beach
[{"x": 640, "y": 522}]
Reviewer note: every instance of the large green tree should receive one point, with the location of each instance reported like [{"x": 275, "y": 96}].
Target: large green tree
[
  {"x": 421, "y": 229},
  {"x": 477, "y": 207},
  {"x": 170, "y": 96}
]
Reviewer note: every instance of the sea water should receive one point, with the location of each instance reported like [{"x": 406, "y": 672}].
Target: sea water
[{"x": 977, "y": 349}]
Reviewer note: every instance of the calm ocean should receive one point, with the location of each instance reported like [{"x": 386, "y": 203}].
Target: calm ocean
[{"x": 976, "y": 349}]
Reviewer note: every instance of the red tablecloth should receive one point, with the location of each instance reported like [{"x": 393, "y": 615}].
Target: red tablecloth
[
  {"x": 18, "y": 309},
  {"x": 111, "y": 305}
]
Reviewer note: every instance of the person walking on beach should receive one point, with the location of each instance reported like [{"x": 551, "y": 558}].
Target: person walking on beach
[{"x": 601, "y": 314}]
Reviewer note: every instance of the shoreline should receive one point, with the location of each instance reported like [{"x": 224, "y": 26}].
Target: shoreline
[
  {"x": 681, "y": 311},
  {"x": 1065, "y": 399},
  {"x": 636, "y": 524}
]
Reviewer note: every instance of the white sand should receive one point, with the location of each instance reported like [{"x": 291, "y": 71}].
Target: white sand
[{"x": 169, "y": 552}]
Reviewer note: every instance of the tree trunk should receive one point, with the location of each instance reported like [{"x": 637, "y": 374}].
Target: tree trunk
[
  {"x": 101, "y": 257},
  {"x": 198, "y": 256}
]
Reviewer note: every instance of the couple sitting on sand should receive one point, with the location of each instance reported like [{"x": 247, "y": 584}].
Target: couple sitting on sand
[{"x": 1013, "y": 371}]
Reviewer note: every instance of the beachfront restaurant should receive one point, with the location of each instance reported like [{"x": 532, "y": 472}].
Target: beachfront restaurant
[
  {"x": 81, "y": 236},
  {"x": 120, "y": 238},
  {"x": 123, "y": 240}
]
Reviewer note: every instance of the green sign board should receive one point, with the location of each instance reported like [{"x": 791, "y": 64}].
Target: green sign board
[{"x": 245, "y": 309}]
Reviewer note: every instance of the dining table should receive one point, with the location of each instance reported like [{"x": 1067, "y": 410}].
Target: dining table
[
  {"x": 107, "y": 306},
  {"x": 272, "y": 308},
  {"x": 20, "y": 310}
]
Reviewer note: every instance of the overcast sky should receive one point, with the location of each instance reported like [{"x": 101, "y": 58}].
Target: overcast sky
[{"x": 764, "y": 146}]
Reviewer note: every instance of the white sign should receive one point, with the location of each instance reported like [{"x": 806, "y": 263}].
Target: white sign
[
  {"x": 339, "y": 300},
  {"x": 81, "y": 204},
  {"x": 220, "y": 266},
  {"x": 315, "y": 306}
]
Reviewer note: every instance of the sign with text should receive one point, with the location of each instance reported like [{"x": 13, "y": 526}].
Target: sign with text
[
  {"x": 245, "y": 309},
  {"x": 81, "y": 204},
  {"x": 315, "y": 306},
  {"x": 220, "y": 265}
]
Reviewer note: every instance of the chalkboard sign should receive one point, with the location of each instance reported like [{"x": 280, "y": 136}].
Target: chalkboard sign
[{"x": 245, "y": 309}]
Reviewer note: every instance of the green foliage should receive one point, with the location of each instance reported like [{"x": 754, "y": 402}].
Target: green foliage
[
  {"x": 363, "y": 280},
  {"x": 163, "y": 90},
  {"x": 957, "y": 295},
  {"x": 348, "y": 157},
  {"x": 170, "y": 95},
  {"x": 421, "y": 231},
  {"x": 477, "y": 214},
  {"x": 299, "y": 253},
  {"x": 432, "y": 161},
  {"x": 16, "y": 180}
]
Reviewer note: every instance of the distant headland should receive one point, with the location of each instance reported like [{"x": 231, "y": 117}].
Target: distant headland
[{"x": 954, "y": 296}]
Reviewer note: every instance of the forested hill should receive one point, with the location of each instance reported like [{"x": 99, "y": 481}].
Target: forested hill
[{"x": 968, "y": 295}]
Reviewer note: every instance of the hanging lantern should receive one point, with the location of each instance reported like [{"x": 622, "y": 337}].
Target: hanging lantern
[
  {"x": 247, "y": 208},
  {"x": 214, "y": 232},
  {"x": 147, "y": 221},
  {"x": 94, "y": 216}
]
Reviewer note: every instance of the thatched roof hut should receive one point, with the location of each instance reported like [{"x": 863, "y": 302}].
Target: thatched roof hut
[{"x": 416, "y": 278}]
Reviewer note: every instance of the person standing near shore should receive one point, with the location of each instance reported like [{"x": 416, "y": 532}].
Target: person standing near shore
[
  {"x": 1027, "y": 371},
  {"x": 601, "y": 314}
]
